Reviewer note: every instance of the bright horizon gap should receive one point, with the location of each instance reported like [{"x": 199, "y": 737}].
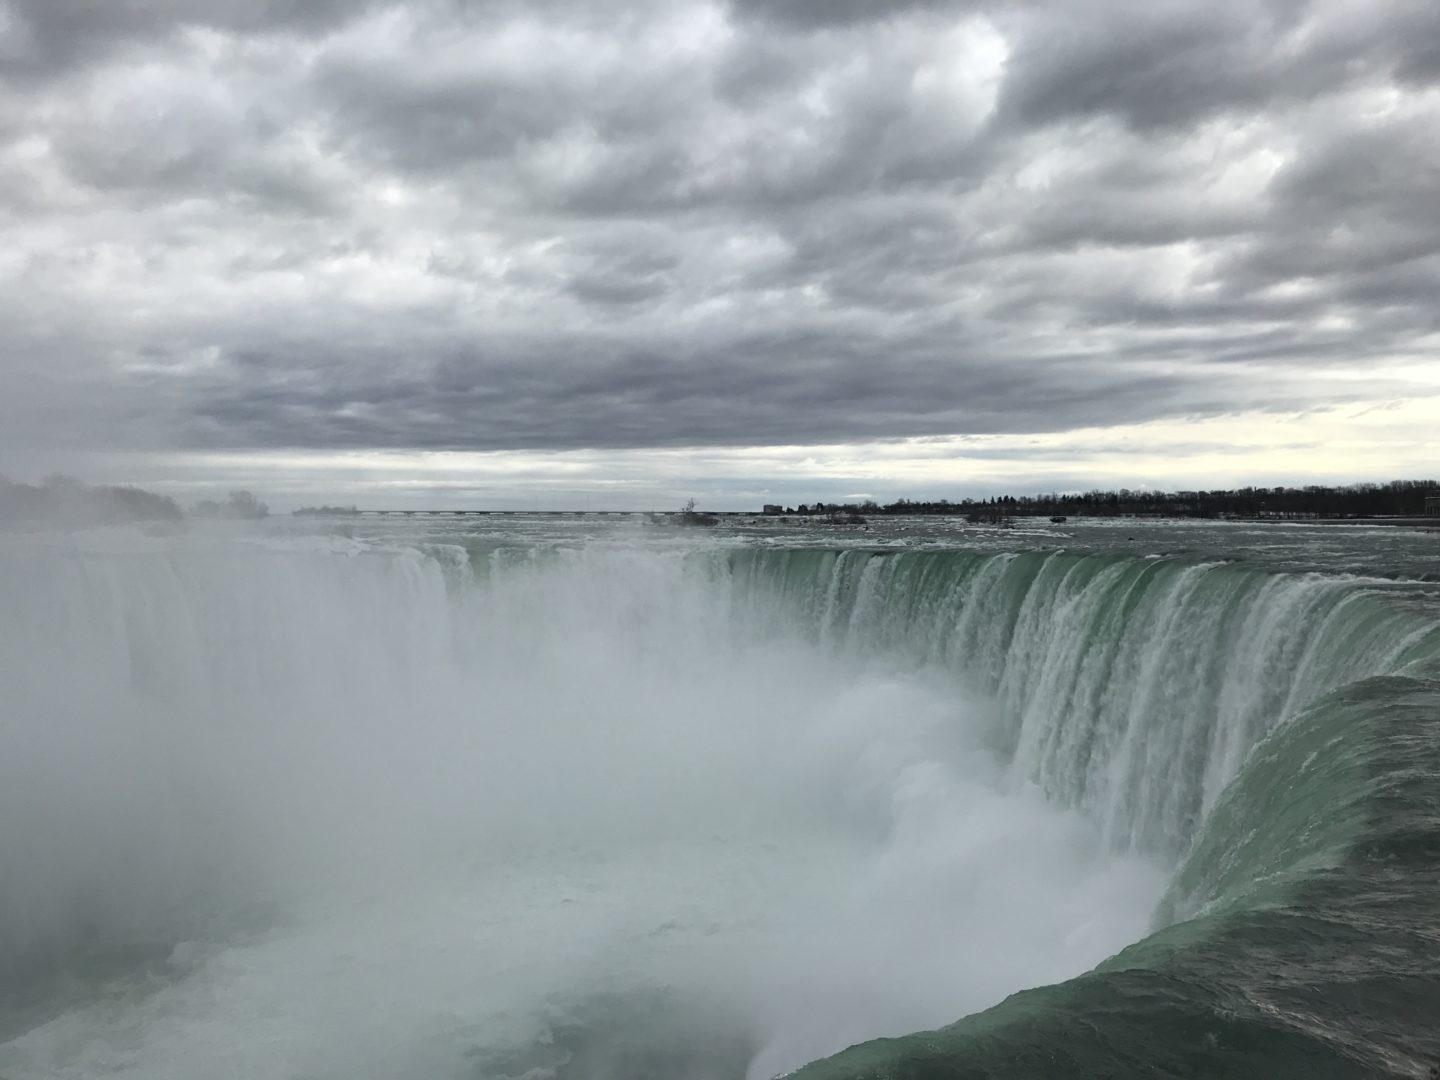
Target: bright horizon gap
[
  {"x": 1337, "y": 445},
  {"x": 792, "y": 505}
]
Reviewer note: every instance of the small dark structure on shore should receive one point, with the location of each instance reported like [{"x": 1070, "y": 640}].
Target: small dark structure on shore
[
  {"x": 690, "y": 516},
  {"x": 1432, "y": 505}
]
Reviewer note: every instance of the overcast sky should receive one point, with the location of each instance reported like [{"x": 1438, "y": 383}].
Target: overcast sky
[{"x": 499, "y": 253}]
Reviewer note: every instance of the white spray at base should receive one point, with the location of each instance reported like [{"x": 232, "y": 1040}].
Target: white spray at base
[{"x": 373, "y": 818}]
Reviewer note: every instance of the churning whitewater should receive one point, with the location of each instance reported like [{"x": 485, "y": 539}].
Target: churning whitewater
[{"x": 438, "y": 802}]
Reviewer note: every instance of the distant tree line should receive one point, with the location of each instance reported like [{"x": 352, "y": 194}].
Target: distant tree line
[
  {"x": 238, "y": 506},
  {"x": 1396, "y": 498},
  {"x": 65, "y": 500}
]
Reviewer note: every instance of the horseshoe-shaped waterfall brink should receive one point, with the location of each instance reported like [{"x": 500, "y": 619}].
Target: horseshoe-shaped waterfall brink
[{"x": 584, "y": 801}]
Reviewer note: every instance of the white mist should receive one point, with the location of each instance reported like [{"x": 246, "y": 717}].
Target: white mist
[{"x": 370, "y": 817}]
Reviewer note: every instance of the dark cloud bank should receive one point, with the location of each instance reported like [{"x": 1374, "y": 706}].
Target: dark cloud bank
[{"x": 603, "y": 224}]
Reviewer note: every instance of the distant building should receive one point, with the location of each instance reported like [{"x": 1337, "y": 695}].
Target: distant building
[
  {"x": 771, "y": 508},
  {"x": 1432, "y": 505}
]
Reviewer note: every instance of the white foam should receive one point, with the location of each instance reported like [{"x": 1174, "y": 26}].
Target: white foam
[{"x": 583, "y": 774}]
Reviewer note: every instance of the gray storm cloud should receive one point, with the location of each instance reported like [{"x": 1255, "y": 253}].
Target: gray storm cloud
[{"x": 626, "y": 225}]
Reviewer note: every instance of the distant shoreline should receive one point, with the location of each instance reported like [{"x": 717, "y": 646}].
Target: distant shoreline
[
  {"x": 1403, "y": 522},
  {"x": 1407, "y": 521}
]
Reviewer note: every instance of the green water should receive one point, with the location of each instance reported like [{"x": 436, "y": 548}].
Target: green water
[{"x": 1308, "y": 940}]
